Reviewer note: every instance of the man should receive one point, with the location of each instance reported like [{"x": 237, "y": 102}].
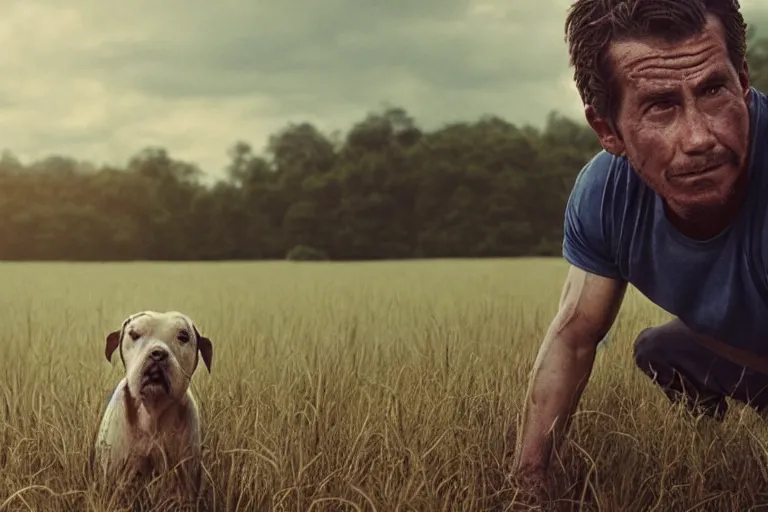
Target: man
[{"x": 676, "y": 205}]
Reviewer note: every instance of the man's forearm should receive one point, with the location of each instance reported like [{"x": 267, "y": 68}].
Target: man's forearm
[{"x": 560, "y": 374}]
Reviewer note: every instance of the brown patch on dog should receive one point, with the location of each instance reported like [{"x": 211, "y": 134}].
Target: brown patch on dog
[
  {"x": 112, "y": 342},
  {"x": 205, "y": 347},
  {"x": 131, "y": 411}
]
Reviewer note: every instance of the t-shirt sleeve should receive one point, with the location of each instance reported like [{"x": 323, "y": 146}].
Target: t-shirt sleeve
[{"x": 585, "y": 243}]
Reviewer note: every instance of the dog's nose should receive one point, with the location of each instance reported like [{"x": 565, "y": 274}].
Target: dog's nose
[{"x": 159, "y": 354}]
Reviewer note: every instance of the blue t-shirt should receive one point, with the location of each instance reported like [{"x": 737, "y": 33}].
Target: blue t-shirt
[{"x": 615, "y": 226}]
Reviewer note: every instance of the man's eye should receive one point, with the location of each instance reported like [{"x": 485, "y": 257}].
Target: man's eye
[
  {"x": 660, "y": 106},
  {"x": 714, "y": 90}
]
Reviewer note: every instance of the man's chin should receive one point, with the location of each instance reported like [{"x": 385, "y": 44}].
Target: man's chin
[
  {"x": 704, "y": 203},
  {"x": 704, "y": 199}
]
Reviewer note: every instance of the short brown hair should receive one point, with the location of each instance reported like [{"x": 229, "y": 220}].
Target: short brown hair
[{"x": 592, "y": 25}]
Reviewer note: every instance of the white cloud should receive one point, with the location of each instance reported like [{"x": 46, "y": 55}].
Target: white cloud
[{"x": 101, "y": 80}]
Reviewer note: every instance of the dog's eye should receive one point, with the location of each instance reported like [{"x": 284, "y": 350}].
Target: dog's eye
[
  {"x": 134, "y": 335},
  {"x": 183, "y": 336}
]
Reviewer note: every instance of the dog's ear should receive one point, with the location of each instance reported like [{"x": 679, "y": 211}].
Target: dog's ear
[
  {"x": 113, "y": 341},
  {"x": 114, "y": 338},
  {"x": 205, "y": 347}
]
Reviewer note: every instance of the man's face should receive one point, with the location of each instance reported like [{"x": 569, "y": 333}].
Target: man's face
[{"x": 683, "y": 119}]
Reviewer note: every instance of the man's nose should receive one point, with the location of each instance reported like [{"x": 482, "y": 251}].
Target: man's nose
[{"x": 697, "y": 133}]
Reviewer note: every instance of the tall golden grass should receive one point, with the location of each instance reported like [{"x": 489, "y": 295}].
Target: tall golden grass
[{"x": 369, "y": 386}]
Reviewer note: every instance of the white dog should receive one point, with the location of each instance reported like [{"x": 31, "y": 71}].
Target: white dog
[{"x": 152, "y": 422}]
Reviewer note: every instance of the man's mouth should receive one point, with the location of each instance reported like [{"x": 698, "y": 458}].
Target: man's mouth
[{"x": 698, "y": 172}]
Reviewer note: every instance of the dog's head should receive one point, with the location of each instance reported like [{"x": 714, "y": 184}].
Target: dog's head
[{"x": 160, "y": 352}]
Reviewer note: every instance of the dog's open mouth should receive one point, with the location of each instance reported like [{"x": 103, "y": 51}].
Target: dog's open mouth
[{"x": 154, "y": 377}]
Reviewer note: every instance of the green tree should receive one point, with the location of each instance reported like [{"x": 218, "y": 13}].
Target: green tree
[{"x": 385, "y": 189}]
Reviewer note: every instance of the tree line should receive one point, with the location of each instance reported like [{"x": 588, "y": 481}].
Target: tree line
[{"x": 387, "y": 189}]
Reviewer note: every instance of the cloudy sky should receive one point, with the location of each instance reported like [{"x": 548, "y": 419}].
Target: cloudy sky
[{"x": 101, "y": 79}]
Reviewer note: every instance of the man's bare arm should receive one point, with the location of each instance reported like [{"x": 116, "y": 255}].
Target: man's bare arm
[{"x": 588, "y": 307}]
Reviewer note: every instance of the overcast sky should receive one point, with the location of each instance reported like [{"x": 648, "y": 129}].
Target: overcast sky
[{"x": 101, "y": 79}]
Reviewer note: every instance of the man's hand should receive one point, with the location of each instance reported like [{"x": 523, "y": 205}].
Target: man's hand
[{"x": 588, "y": 307}]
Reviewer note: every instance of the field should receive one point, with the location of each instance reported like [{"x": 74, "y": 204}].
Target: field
[{"x": 368, "y": 386}]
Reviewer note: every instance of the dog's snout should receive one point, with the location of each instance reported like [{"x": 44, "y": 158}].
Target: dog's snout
[{"x": 159, "y": 354}]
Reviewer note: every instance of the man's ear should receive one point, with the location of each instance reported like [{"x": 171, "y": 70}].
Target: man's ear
[
  {"x": 113, "y": 341},
  {"x": 744, "y": 80},
  {"x": 205, "y": 347},
  {"x": 610, "y": 139}
]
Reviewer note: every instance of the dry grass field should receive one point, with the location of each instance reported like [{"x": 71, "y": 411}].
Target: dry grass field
[{"x": 368, "y": 386}]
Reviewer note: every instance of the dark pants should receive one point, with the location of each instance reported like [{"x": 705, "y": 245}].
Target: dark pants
[{"x": 689, "y": 373}]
